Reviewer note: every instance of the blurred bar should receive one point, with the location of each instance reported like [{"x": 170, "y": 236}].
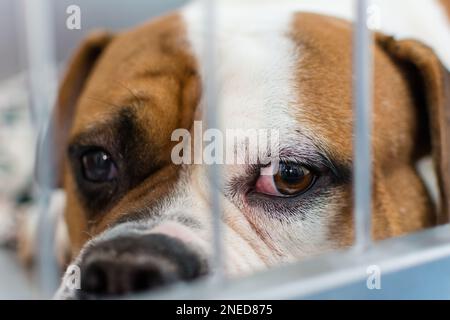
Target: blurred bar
[
  {"x": 42, "y": 87},
  {"x": 339, "y": 269},
  {"x": 212, "y": 121},
  {"x": 362, "y": 187}
]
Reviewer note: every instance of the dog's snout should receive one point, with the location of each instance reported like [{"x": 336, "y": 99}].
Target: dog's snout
[
  {"x": 137, "y": 263},
  {"x": 110, "y": 277}
]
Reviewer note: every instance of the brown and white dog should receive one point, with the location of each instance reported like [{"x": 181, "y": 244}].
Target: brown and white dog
[{"x": 137, "y": 221}]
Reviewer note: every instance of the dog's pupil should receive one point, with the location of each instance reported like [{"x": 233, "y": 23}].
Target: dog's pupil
[
  {"x": 98, "y": 166},
  {"x": 291, "y": 173}
]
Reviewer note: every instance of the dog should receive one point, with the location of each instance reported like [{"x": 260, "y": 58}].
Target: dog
[{"x": 138, "y": 221}]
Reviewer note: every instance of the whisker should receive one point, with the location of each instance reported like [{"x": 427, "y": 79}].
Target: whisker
[{"x": 138, "y": 100}]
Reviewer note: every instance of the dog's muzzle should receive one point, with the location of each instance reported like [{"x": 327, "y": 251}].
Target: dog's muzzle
[{"x": 135, "y": 263}]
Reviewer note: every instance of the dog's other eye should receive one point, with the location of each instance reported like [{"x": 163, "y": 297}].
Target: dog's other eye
[
  {"x": 290, "y": 179},
  {"x": 98, "y": 166}
]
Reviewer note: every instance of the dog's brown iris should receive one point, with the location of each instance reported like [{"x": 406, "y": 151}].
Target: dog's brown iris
[{"x": 292, "y": 179}]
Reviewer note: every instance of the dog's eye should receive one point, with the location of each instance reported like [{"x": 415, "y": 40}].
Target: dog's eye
[
  {"x": 288, "y": 179},
  {"x": 98, "y": 166}
]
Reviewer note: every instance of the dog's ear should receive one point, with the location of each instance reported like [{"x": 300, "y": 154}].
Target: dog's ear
[
  {"x": 434, "y": 101},
  {"x": 73, "y": 82}
]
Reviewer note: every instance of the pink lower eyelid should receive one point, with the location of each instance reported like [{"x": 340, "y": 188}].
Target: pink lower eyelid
[{"x": 266, "y": 185}]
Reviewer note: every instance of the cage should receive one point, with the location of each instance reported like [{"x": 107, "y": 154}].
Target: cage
[{"x": 410, "y": 266}]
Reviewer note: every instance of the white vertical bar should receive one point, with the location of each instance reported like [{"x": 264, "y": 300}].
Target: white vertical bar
[
  {"x": 363, "y": 69},
  {"x": 42, "y": 86},
  {"x": 212, "y": 121}
]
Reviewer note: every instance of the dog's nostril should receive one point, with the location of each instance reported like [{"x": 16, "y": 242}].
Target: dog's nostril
[
  {"x": 134, "y": 264},
  {"x": 119, "y": 275},
  {"x": 140, "y": 280},
  {"x": 143, "y": 279},
  {"x": 95, "y": 279}
]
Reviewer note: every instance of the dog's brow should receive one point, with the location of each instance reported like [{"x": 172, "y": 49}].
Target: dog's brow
[
  {"x": 155, "y": 73},
  {"x": 315, "y": 156},
  {"x": 133, "y": 98},
  {"x": 108, "y": 130},
  {"x": 137, "y": 100},
  {"x": 341, "y": 170},
  {"x": 89, "y": 136}
]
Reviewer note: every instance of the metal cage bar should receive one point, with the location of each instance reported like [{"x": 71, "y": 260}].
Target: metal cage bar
[
  {"x": 319, "y": 274},
  {"x": 42, "y": 87},
  {"x": 362, "y": 91},
  {"x": 212, "y": 121},
  {"x": 293, "y": 281}
]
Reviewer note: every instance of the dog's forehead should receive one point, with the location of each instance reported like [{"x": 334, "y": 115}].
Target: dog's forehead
[
  {"x": 146, "y": 68},
  {"x": 268, "y": 65},
  {"x": 292, "y": 70},
  {"x": 254, "y": 64},
  {"x": 280, "y": 68},
  {"x": 324, "y": 81}
]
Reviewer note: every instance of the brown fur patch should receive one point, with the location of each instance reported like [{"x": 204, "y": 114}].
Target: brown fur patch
[
  {"x": 149, "y": 72},
  {"x": 446, "y": 4},
  {"x": 400, "y": 201}
]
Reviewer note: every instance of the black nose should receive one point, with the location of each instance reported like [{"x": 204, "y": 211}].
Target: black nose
[{"x": 137, "y": 263}]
